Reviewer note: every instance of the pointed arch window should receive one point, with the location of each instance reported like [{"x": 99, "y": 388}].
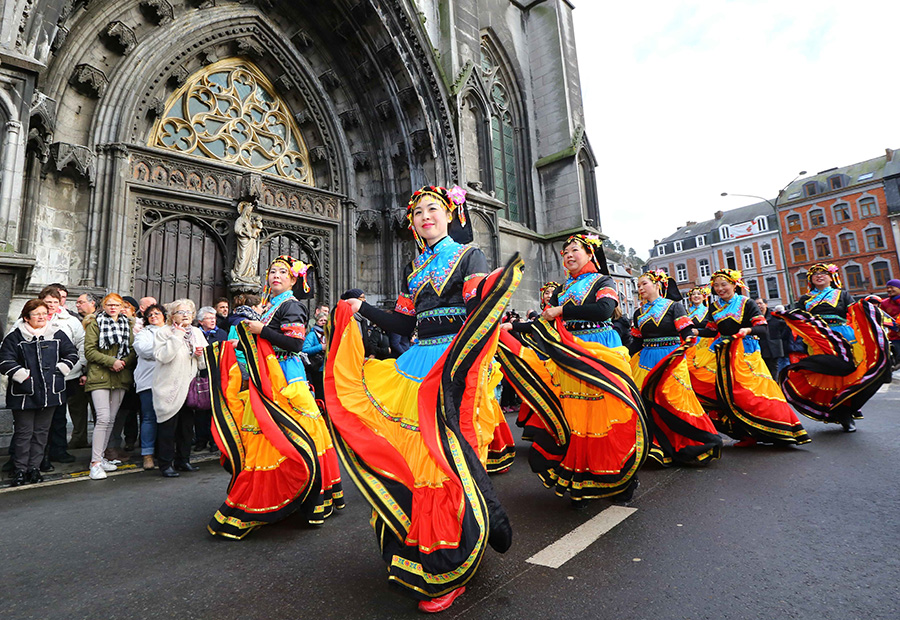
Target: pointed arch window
[
  {"x": 229, "y": 112},
  {"x": 504, "y": 150}
]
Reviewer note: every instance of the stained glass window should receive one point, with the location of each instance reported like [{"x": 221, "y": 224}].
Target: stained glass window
[
  {"x": 503, "y": 143},
  {"x": 228, "y": 112}
]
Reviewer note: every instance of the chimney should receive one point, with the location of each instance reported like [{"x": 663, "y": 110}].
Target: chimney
[
  {"x": 656, "y": 242},
  {"x": 690, "y": 223},
  {"x": 718, "y": 215},
  {"x": 888, "y": 155}
]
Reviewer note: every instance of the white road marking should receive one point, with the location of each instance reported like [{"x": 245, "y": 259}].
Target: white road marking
[{"x": 576, "y": 541}]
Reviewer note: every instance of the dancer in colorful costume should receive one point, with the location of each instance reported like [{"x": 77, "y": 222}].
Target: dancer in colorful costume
[
  {"x": 570, "y": 367},
  {"x": 414, "y": 432},
  {"x": 661, "y": 334},
  {"x": 848, "y": 349},
  {"x": 274, "y": 440},
  {"x": 748, "y": 405}
]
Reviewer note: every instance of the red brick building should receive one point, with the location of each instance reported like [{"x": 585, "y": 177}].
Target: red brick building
[{"x": 840, "y": 216}]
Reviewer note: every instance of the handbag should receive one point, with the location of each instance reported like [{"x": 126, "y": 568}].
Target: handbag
[{"x": 198, "y": 396}]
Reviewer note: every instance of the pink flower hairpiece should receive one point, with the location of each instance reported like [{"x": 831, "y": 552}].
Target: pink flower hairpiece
[
  {"x": 832, "y": 268},
  {"x": 299, "y": 268},
  {"x": 457, "y": 195}
]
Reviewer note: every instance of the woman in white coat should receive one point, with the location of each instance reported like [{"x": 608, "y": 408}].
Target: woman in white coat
[
  {"x": 178, "y": 349},
  {"x": 144, "y": 344}
]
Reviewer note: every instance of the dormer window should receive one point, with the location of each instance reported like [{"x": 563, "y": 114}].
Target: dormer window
[
  {"x": 835, "y": 182},
  {"x": 701, "y": 241},
  {"x": 762, "y": 223},
  {"x": 660, "y": 250},
  {"x": 679, "y": 246},
  {"x": 809, "y": 189}
]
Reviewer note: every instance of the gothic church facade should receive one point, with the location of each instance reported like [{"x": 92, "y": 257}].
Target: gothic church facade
[{"x": 131, "y": 131}]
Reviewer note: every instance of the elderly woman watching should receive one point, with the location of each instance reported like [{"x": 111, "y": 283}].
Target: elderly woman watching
[
  {"x": 144, "y": 343},
  {"x": 206, "y": 318},
  {"x": 178, "y": 348},
  {"x": 36, "y": 358}
]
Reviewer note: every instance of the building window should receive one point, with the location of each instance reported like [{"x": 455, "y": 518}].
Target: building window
[
  {"x": 772, "y": 288},
  {"x": 768, "y": 257},
  {"x": 729, "y": 260},
  {"x": 752, "y": 288},
  {"x": 749, "y": 262},
  {"x": 660, "y": 250},
  {"x": 854, "y": 276},
  {"x": 724, "y": 232},
  {"x": 809, "y": 189},
  {"x": 867, "y": 207},
  {"x": 802, "y": 283},
  {"x": 799, "y": 250},
  {"x": 703, "y": 268},
  {"x": 848, "y": 243},
  {"x": 874, "y": 239},
  {"x": 701, "y": 241},
  {"x": 679, "y": 246},
  {"x": 793, "y": 223},
  {"x": 816, "y": 218},
  {"x": 665, "y": 270},
  {"x": 842, "y": 212},
  {"x": 681, "y": 272},
  {"x": 823, "y": 248},
  {"x": 881, "y": 273},
  {"x": 762, "y": 223},
  {"x": 835, "y": 182},
  {"x": 504, "y": 151}
]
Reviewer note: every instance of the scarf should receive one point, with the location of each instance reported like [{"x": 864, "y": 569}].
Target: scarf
[
  {"x": 247, "y": 312},
  {"x": 114, "y": 332},
  {"x": 31, "y": 334}
]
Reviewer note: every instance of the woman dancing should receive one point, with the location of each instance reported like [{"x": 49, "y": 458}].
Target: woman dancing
[
  {"x": 573, "y": 372},
  {"x": 749, "y": 405},
  {"x": 848, "y": 351},
  {"x": 661, "y": 333},
  {"x": 273, "y": 438},
  {"x": 413, "y": 432}
]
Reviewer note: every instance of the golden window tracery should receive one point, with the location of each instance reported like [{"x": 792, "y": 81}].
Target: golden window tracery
[{"x": 229, "y": 112}]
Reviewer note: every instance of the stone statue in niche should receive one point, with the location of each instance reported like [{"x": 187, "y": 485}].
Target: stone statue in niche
[{"x": 248, "y": 227}]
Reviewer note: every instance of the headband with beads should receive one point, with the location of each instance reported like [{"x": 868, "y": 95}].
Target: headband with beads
[
  {"x": 452, "y": 199},
  {"x": 830, "y": 268}
]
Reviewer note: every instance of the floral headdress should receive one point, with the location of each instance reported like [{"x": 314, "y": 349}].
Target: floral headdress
[
  {"x": 454, "y": 199},
  {"x": 550, "y": 284},
  {"x": 703, "y": 290},
  {"x": 591, "y": 243},
  {"x": 659, "y": 277},
  {"x": 830, "y": 268},
  {"x": 732, "y": 275},
  {"x": 298, "y": 269}
]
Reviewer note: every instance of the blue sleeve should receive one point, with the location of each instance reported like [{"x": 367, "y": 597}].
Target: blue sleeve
[{"x": 311, "y": 344}]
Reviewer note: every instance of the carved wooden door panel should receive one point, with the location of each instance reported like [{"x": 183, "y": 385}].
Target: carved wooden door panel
[{"x": 181, "y": 258}]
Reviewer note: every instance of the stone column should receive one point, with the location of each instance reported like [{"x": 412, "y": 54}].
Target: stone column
[{"x": 10, "y": 185}]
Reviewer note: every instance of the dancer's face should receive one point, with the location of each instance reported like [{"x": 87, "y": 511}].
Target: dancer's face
[
  {"x": 431, "y": 219},
  {"x": 723, "y": 288},
  {"x": 575, "y": 257},
  {"x": 647, "y": 289},
  {"x": 280, "y": 279},
  {"x": 547, "y": 295},
  {"x": 820, "y": 280},
  {"x": 696, "y": 298}
]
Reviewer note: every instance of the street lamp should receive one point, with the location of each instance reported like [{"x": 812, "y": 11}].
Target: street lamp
[{"x": 775, "y": 210}]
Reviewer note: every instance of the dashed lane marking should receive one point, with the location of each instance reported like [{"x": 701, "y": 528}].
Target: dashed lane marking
[{"x": 576, "y": 541}]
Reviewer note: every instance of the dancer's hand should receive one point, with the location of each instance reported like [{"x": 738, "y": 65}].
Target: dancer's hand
[
  {"x": 506, "y": 326},
  {"x": 255, "y": 327},
  {"x": 355, "y": 304},
  {"x": 551, "y": 312},
  {"x": 744, "y": 331}
]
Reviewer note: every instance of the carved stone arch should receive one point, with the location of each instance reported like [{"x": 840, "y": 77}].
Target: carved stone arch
[
  {"x": 474, "y": 135},
  {"x": 486, "y": 236},
  {"x": 182, "y": 255}
]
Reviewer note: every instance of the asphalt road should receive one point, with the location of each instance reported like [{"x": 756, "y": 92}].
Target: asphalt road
[{"x": 808, "y": 532}]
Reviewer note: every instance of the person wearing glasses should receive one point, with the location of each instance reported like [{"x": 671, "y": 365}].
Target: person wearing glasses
[
  {"x": 36, "y": 359},
  {"x": 109, "y": 350},
  {"x": 178, "y": 348},
  {"x": 144, "y": 342}
]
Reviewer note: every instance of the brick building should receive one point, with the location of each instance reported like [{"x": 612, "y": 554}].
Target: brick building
[
  {"x": 840, "y": 216},
  {"x": 745, "y": 238}
]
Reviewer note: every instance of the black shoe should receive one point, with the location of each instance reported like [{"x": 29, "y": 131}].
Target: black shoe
[
  {"x": 34, "y": 476},
  {"x": 46, "y": 465},
  {"x": 65, "y": 457},
  {"x": 578, "y": 504},
  {"x": 8, "y": 466},
  {"x": 129, "y": 446},
  {"x": 198, "y": 446},
  {"x": 168, "y": 472},
  {"x": 186, "y": 467},
  {"x": 849, "y": 425},
  {"x": 623, "y": 498},
  {"x": 19, "y": 478}
]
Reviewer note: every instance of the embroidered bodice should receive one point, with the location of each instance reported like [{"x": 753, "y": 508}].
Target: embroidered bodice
[
  {"x": 662, "y": 322},
  {"x": 581, "y": 298},
  {"x": 285, "y": 324},
  {"x": 727, "y": 318},
  {"x": 830, "y": 303},
  {"x": 697, "y": 314}
]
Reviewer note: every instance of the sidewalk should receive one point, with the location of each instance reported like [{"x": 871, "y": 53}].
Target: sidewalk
[{"x": 79, "y": 470}]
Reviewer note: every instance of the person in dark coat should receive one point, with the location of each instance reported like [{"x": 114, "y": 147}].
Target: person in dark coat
[
  {"x": 36, "y": 361},
  {"x": 771, "y": 345}
]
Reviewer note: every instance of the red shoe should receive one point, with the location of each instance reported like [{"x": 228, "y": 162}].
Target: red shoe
[
  {"x": 442, "y": 602},
  {"x": 747, "y": 442}
]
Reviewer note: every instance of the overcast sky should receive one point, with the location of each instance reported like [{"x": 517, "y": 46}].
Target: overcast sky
[{"x": 687, "y": 99}]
